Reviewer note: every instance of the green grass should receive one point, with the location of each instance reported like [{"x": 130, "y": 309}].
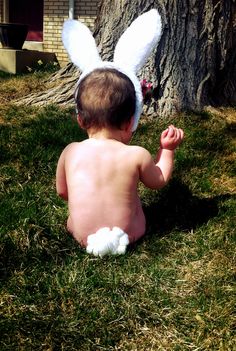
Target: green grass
[{"x": 174, "y": 290}]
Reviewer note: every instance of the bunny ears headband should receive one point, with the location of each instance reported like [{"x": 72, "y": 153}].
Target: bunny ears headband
[{"x": 131, "y": 52}]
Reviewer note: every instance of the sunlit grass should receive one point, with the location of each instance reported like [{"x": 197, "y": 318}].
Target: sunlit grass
[
  {"x": 15, "y": 86},
  {"x": 172, "y": 291}
]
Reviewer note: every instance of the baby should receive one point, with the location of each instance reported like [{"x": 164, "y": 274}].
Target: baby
[{"x": 99, "y": 176}]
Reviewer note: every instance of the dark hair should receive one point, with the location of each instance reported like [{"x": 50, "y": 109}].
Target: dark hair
[{"x": 105, "y": 98}]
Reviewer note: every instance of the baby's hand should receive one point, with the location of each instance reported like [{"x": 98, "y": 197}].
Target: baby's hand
[{"x": 171, "y": 138}]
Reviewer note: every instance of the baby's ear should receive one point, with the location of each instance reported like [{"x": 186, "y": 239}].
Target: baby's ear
[
  {"x": 80, "y": 121},
  {"x": 138, "y": 41},
  {"x": 80, "y": 44},
  {"x": 127, "y": 126}
]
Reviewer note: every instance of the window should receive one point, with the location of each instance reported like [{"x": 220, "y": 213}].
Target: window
[{"x": 28, "y": 12}]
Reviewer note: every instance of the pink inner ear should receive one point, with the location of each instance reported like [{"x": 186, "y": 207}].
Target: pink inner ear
[{"x": 146, "y": 87}]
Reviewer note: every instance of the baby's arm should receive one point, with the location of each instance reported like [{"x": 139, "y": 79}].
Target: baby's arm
[
  {"x": 61, "y": 184},
  {"x": 170, "y": 140},
  {"x": 156, "y": 174}
]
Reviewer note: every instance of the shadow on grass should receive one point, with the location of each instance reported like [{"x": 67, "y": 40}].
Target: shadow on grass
[{"x": 177, "y": 208}]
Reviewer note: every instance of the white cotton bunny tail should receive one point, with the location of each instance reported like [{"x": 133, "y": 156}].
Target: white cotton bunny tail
[
  {"x": 80, "y": 45},
  {"x": 106, "y": 241},
  {"x": 137, "y": 42}
]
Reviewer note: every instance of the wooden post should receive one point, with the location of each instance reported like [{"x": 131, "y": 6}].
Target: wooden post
[{"x": 5, "y": 11}]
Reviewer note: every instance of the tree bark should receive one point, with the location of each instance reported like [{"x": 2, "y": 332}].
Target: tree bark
[{"x": 194, "y": 64}]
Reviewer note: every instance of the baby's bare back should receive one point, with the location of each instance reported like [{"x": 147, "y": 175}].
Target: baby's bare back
[{"x": 102, "y": 178}]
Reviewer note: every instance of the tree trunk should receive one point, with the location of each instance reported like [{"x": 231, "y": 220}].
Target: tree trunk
[
  {"x": 194, "y": 64},
  {"x": 196, "y": 59}
]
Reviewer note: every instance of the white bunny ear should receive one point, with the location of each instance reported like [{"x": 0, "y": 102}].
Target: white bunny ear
[
  {"x": 138, "y": 41},
  {"x": 80, "y": 44}
]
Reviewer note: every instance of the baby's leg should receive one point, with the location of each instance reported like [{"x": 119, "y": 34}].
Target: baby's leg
[{"x": 70, "y": 226}]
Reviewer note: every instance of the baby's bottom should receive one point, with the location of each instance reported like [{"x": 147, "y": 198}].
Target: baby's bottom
[
  {"x": 104, "y": 241},
  {"x": 138, "y": 226},
  {"x": 112, "y": 237}
]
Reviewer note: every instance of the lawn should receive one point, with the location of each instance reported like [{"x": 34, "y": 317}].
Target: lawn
[{"x": 174, "y": 290}]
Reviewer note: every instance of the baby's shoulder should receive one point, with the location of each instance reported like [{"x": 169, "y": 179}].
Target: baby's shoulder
[
  {"x": 139, "y": 153},
  {"x": 139, "y": 150},
  {"x": 74, "y": 146}
]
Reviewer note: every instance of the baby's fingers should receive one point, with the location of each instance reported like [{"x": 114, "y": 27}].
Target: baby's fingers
[
  {"x": 164, "y": 133},
  {"x": 180, "y": 134},
  {"x": 171, "y": 131}
]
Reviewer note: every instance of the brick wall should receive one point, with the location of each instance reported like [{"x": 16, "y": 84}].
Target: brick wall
[
  {"x": 86, "y": 11},
  {"x": 55, "y": 12}
]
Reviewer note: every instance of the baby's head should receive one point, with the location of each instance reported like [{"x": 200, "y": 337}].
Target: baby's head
[{"x": 105, "y": 98}]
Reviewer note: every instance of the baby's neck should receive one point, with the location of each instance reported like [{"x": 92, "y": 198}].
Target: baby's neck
[{"x": 108, "y": 134}]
